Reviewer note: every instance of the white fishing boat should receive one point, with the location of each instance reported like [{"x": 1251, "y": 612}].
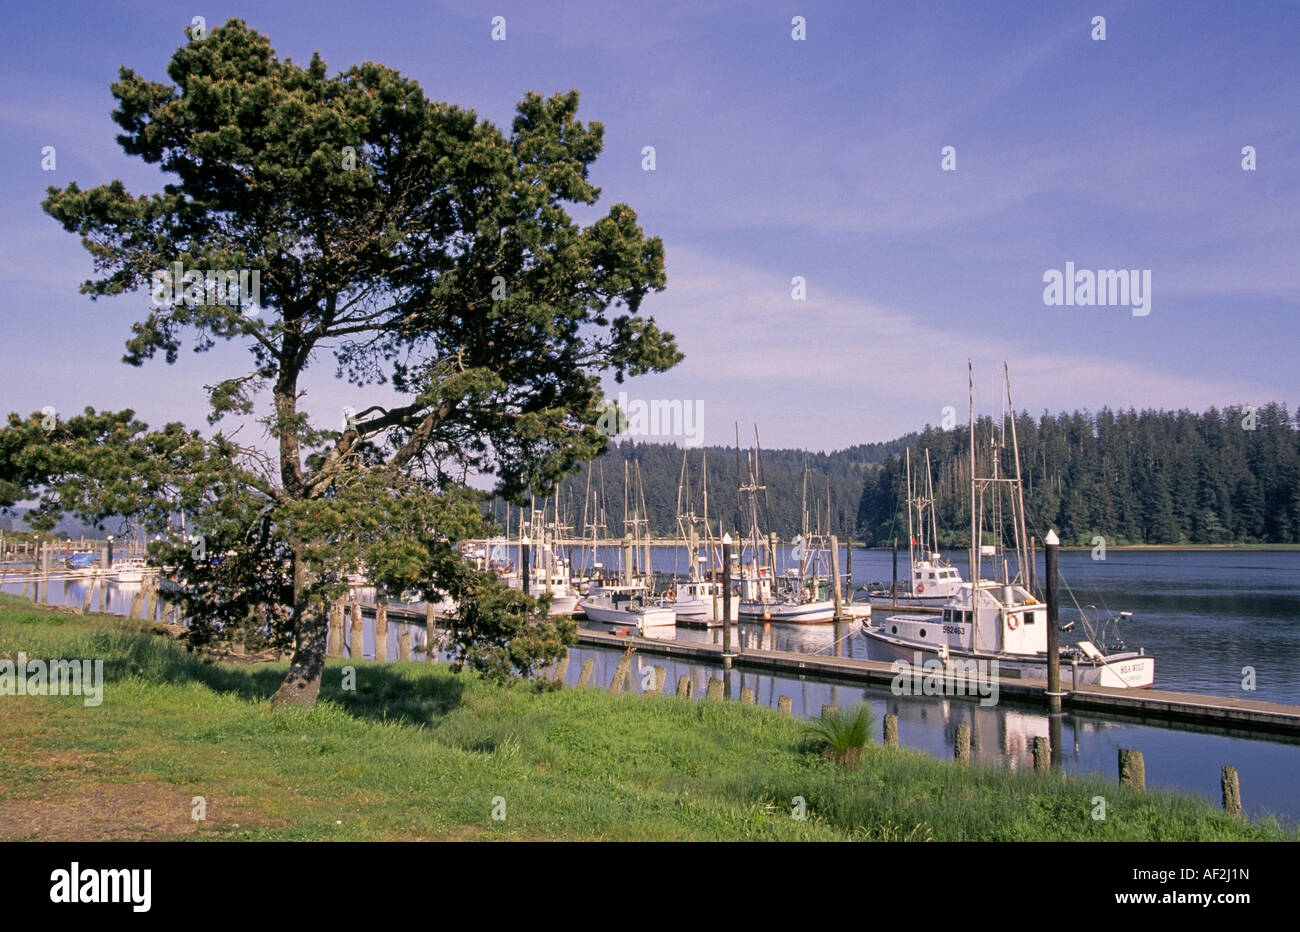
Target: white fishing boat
[
  {"x": 129, "y": 571},
  {"x": 988, "y": 620},
  {"x": 627, "y": 608},
  {"x": 701, "y": 601}
]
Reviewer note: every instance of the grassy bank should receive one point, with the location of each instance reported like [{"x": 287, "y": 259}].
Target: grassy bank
[{"x": 416, "y": 752}]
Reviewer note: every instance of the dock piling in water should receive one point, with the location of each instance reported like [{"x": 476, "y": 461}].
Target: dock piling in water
[
  {"x": 1231, "y": 792},
  {"x": 829, "y": 710},
  {"x": 1132, "y": 769},
  {"x": 783, "y": 705},
  {"x": 584, "y": 675},
  {"x": 336, "y": 610},
  {"x": 715, "y": 688},
  {"x": 356, "y": 644},
  {"x": 1042, "y": 754},
  {"x": 891, "y": 731},
  {"x": 961, "y": 744},
  {"x": 746, "y": 695},
  {"x": 683, "y": 687},
  {"x": 381, "y": 628}
]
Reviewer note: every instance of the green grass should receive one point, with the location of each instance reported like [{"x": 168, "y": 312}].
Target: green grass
[{"x": 419, "y": 752}]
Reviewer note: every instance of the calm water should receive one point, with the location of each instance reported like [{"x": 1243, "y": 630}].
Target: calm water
[{"x": 1203, "y": 615}]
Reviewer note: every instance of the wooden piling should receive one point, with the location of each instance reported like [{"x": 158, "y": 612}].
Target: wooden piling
[
  {"x": 1231, "y": 792},
  {"x": 404, "y": 643},
  {"x": 336, "y": 629},
  {"x": 835, "y": 580},
  {"x": 584, "y": 676},
  {"x": 661, "y": 677},
  {"x": 746, "y": 695},
  {"x": 137, "y": 605},
  {"x": 151, "y": 599},
  {"x": 683, "y": 687},
  {"x": 961, "y": 746},
  {"x": 783, "y": 705},
  {"x": 561, "y": 668},
  {"x": 356, "y": 640},
  {"x": 1042, "y": 754},
  {"x": 429, "y": 639},
  {"x": 381, "y": 628},
  {"x": 620, "y": 673},
  {"x": 90, "y": 592},
  {"x": 1132, "y": 769},
  {"x": 829, "y": 710},
  {"x": 715, "y": 688},
  {"x": 891, "y": 731}
]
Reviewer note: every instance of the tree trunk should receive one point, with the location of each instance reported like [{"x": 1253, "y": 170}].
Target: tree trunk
[
  {"x": 302, "y": 684},
  {"x": 310, "y": 629}
]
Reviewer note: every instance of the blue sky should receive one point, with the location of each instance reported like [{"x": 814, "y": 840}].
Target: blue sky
[{"x": 777, "y": 158}]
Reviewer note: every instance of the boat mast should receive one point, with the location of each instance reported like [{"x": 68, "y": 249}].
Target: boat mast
[
  {"x": 1022, "y": 537},
  {"x": 929, "y": 495},
  {"x": 911, "y": 507},
  {"x": 974, "y": 527}
]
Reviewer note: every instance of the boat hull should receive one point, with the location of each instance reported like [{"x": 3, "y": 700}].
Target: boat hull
[
  {"x": 806, "y": 613},
  {"x": 1120, "y": 671}
]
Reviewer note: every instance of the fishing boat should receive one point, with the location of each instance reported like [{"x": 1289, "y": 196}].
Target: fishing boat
[
  {"x": 990, "y": 621},
  {"x": 627, "y": 609},
  {"x": 798, "y": 597},
  {"x": 129, "y": 571},
  {"x": 932, "y": 581},
  {"x": 700, "y": 598}
]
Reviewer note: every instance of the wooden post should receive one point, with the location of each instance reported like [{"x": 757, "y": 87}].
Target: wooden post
[
  {"x": 783, "y": 705},
  {"x": 620, "y": 673},
  {"x": 336, "y": 629},
  {"x": 835, "y": 578},
  {"x": 848, "y": 560},
  {"x": 381, "y": 627},
  {"x": 829, "y": 710},
  {"x": 961, "y": 747},
  {"x": 1054, "y": 694},
  {"x": 1231, "y": 792},
  {"x": 891, "y": 731},
  {"x": 683, "y": 687},
  {"x": 894, "y": 588},
  {"x": 404, "y": 643},
  {"x": 746, "y": 695},
  {"x": 103, "y": 597},
  {"x": 561, "y": 668},
  {"x": 726, "y": 595},
  {"x": 151, "y": 599},
  {"x": 715, "y": 688},
  {"x": 356, "y": 640},
  {"x": 1132, "y": 769},
  {"x": 429, "y": 640},
  {"x": 137, "y": 605},
  {"x": 661, "y": 677},
  {"x": 584, "y": 677},
  {"x": 90, "y": 592},
  {"x": 1042, "y": 754}
]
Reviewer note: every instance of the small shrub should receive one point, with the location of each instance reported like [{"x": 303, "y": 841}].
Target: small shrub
[{"x": 842, "y": 735}]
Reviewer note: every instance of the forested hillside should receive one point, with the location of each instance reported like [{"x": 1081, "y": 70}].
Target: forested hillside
[{"x": 1156, "y": 477}]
